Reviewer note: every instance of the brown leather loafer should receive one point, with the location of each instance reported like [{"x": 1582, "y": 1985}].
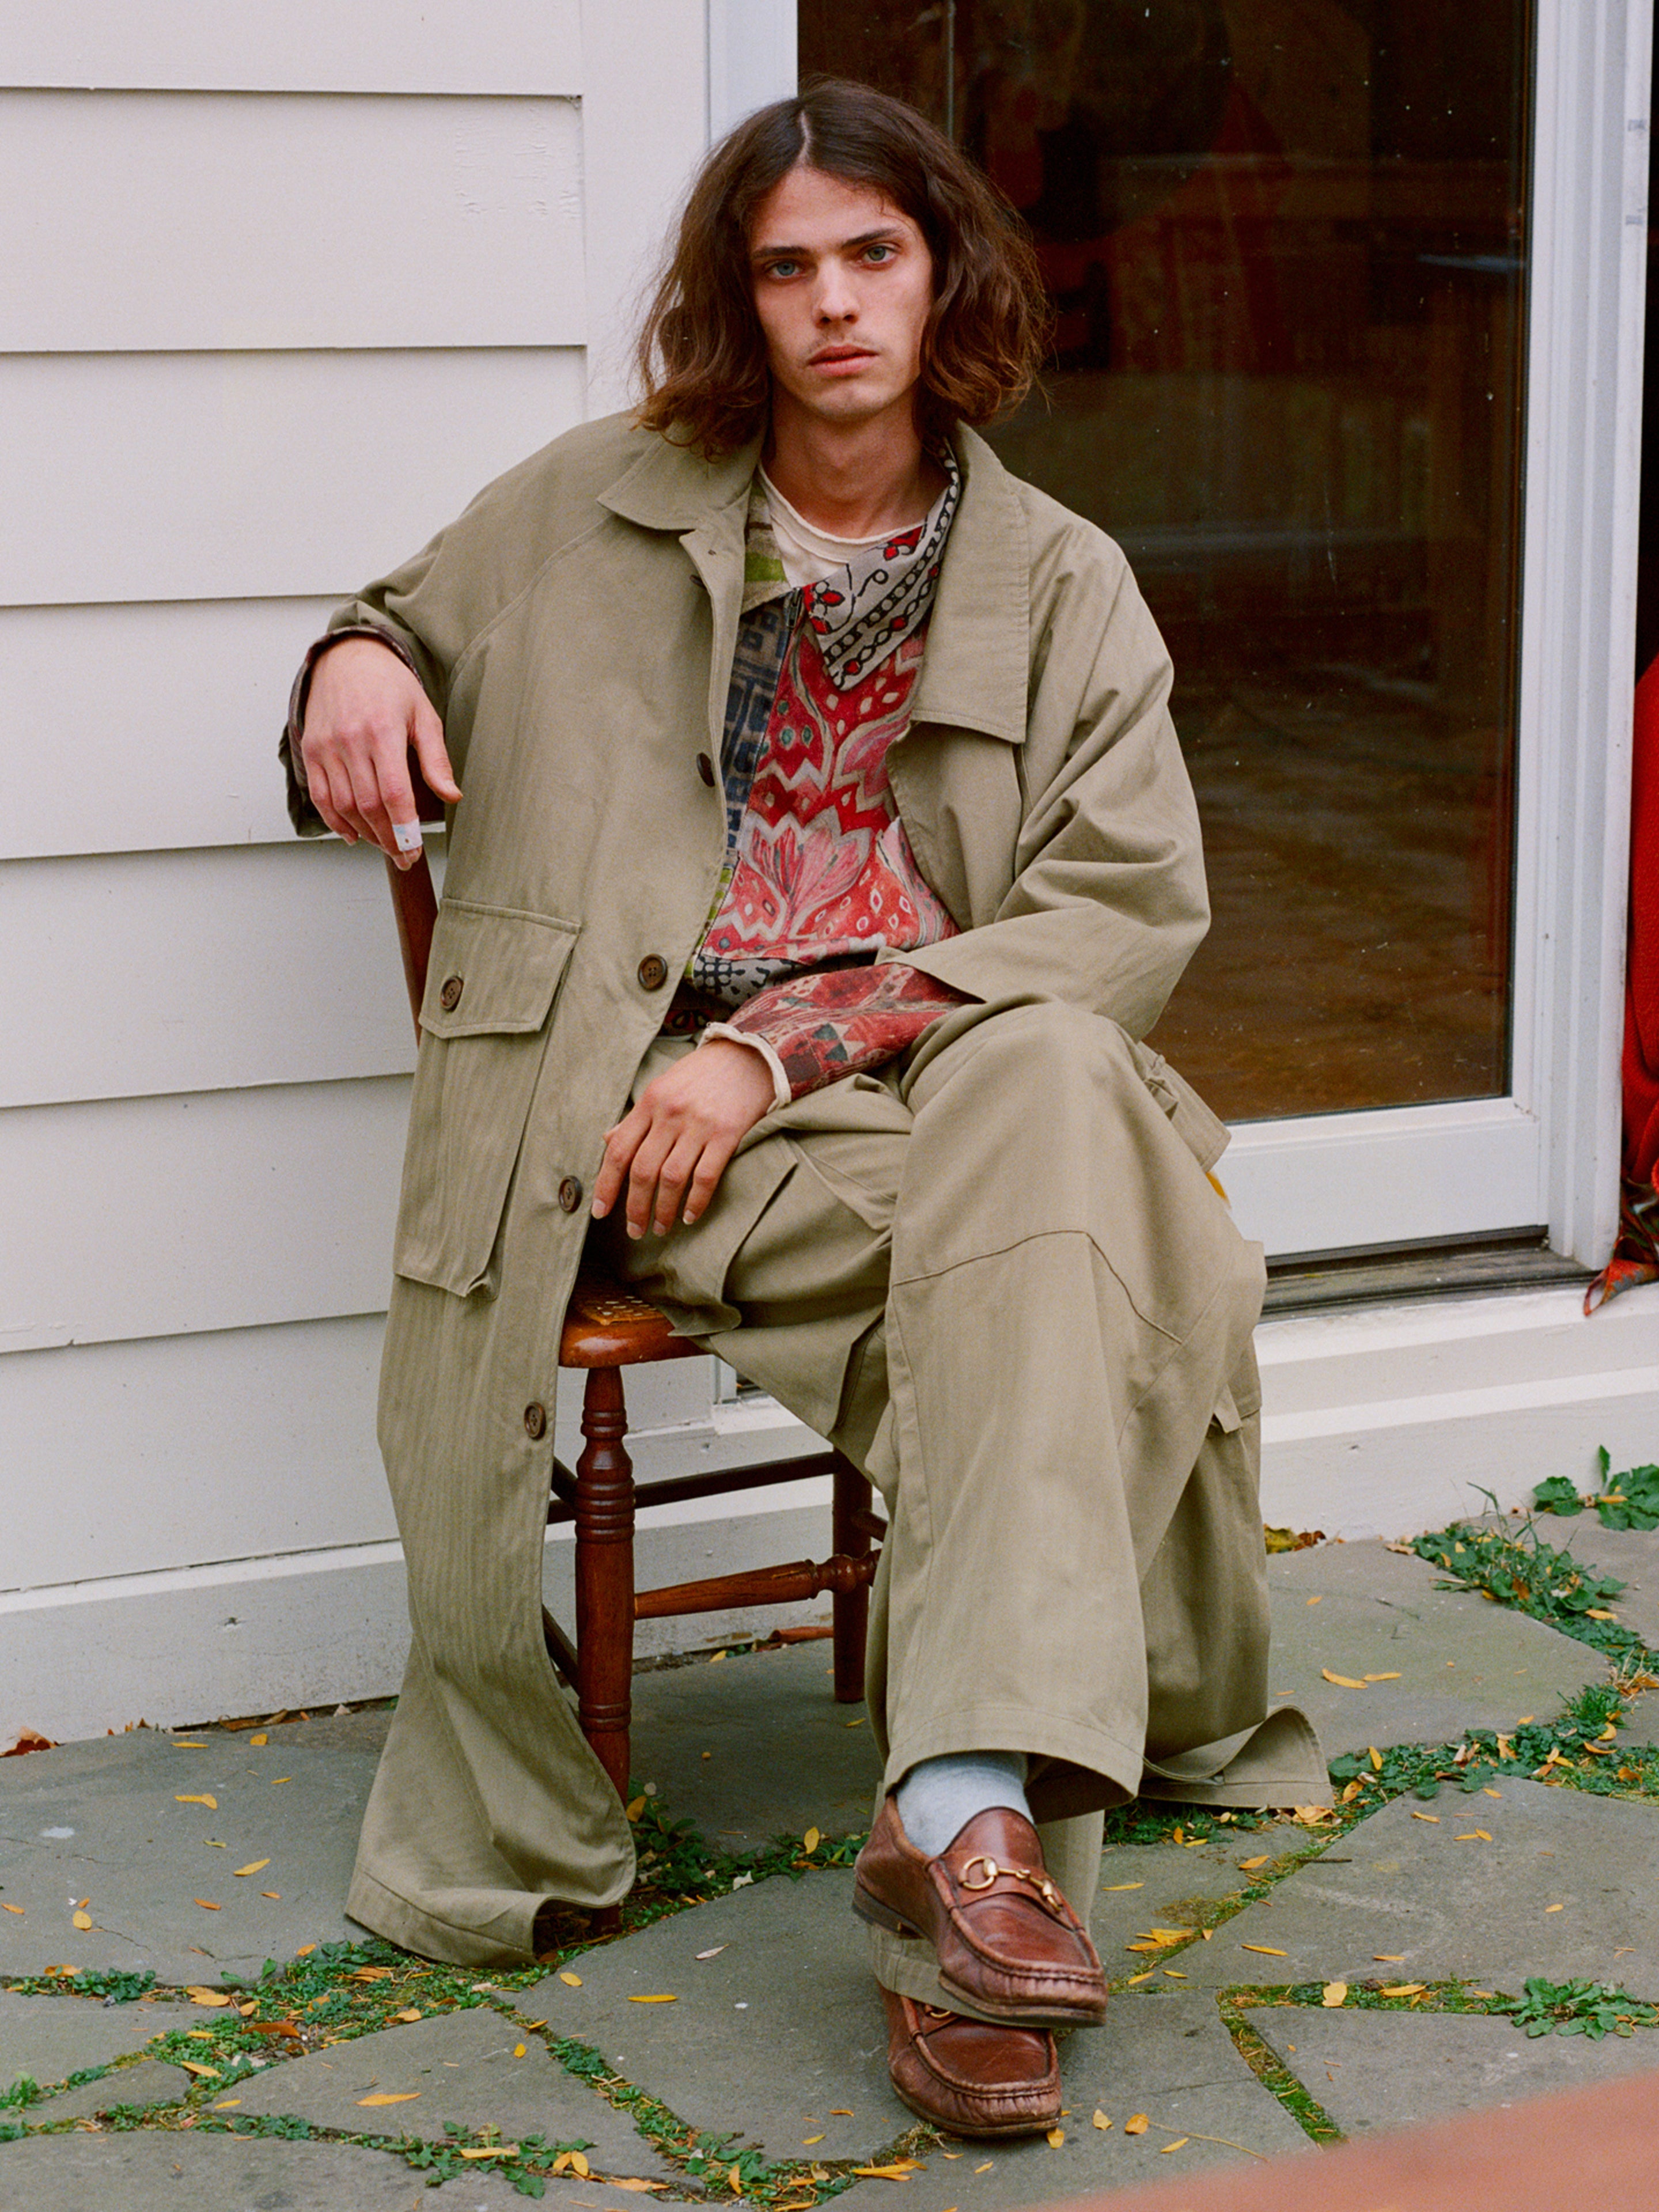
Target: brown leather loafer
[
  {"x": 971, "y": 2077},
  {"x": 1007, "y": 1942}
]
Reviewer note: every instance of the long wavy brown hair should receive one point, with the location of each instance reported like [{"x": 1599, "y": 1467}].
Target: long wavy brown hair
[{"x": 702, "y": 358}]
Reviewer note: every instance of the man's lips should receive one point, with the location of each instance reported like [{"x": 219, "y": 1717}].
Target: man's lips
[{"x": 841, "y": 357}]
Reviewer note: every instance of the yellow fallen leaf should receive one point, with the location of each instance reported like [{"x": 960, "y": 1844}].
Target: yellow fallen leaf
[
  {"x": 810, "y": 1840},
  {"x": 390, "y": 2097},
  {"x": 1334, "y": 1994},
  {"x": 520, "y": 2049},
  {"x": 1342, "y": 1681},
  {"x": 1173, "y": 1975},
  {"x": 259, "y": 1739},
  {"x": 493, "y": 2150},
  {"x": 187, "y": 1743},
  {"x": 807, "y": 2141},
  {"x": 535, "y": 2023},
  {"x": 1599, "y": 1613},
  {"x": 212, "y": 1803},
  {"x": 1390, "y": 1958},
  {"x": 215, "y": 1846},
  {"x": 370, "y": 1974},
  {"x": 1316, "y": 1600},
  {"x": 571, "y": 1981},
  {"x": 1473, "y": 1836},
  {"x": 305, "y": 1950},
  {"x": 1381, "y": 1678},
  {"x": 207, "y": 1996},
  {"x": 1491, "y": 1793},
  {"x": 1555, "y": 1908},
  {"x": 841, "y": 2112},
  {"x": 227, "y": 2103},
  {"x": 17, "y": 1909},
  {"x": 1137, "y": 2123},
  {"x": 194, "y": 2066},
  {"x": 1266, "y": 1950},
  {"x": 81, "y": 1920},
  {"x": 1180, "y": 2143},
  {"x": 718, "y": 1656},
  {"x": 1405, "y": 1990},
  {"x": 635, "y": 1808},
  {"x": 1376, "y": 1755},
  {"x": 985, "y": 2168},
  {"x": 1101, "y": 2120},
  {"x": 254, "y": 1866},
  {"x": 632, "y": 2181},
  {"x": 1250, "y": 1866},
  {"x": 1056, "y": 2136},
  {"x": 1133, "y": 1978},
  {"x": 1114, "y": 1886},
  {"x": 278, "y": 1780},
  {"x": 276, "y": 1893},
  {"x": 413, "y": 2012},
  {"x": 579, "y": 2165},
  {"x": 205, "y": 1906},
  {"x": 882, "y": 2173},
  {"x": 1434, "y": 1817},
  {"x": 654, "y": 2000}
]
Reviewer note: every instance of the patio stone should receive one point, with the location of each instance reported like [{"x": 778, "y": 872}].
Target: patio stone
[
  {"x": 1631, "y": 1554},
  {"x": 102, "y": 1820},
  {"x": 148, "y": 2082},
  {"x": 1367, "y": 2069},
  {"x": 161, "y": 2173},
  {"x": 48, "y": 2038},
  {"x": 1359, "y": 1609},
  {"x": 785, "y": 1757},
  {"x": 780, "y": 2038},
  {"x": 1171, "y": 1882},
  {"x": 1400, "y": 1897},
  {"x": 460, "y": 2066}
]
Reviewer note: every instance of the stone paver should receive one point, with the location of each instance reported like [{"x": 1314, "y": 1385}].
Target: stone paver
[
  {"x": 1462, "y": 1662},
  {"x": 1402, "y": 1888},
  {"x": 148, "y": 2082},
  {"x": 779, "y": 2036},
  {"x": 784, "y": 1756},
  {"x": 462, "y": 2067},
  {"x": 1367, "y": 2069},
  {"x": 1631, "y": 1554},
  {"x": 166, "y": 2173},
  {"x": 102, "y": 1820},
  {"x": 1171, "y": 1883},
  {"x": 48, "y": 2038}
]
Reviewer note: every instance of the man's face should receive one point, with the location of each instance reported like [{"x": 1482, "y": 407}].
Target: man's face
[{"x": 842, "y": 283}]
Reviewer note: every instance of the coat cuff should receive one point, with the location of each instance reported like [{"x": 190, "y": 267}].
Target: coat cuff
[{"x": 301, "y": 812}]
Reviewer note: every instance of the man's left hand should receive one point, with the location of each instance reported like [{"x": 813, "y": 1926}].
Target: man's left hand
[{"x": 671, "y": 1149}]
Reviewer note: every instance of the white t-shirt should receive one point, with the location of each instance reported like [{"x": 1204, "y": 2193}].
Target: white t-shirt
[{"x": 808, "y": 554}]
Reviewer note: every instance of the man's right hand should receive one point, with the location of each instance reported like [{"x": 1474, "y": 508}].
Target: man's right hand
[{"x": 363, "y": 713}]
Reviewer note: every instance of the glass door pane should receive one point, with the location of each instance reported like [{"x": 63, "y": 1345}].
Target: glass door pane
[{"x": 1286, "y": 244}]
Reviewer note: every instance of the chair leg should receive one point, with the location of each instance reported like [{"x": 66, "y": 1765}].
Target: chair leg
[
  {"x": 849, "y": 1527},
  {"x": 605, "y": 1573}
]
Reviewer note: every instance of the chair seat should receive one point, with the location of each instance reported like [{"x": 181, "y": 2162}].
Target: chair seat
[{"x": 606, "y": 1326}]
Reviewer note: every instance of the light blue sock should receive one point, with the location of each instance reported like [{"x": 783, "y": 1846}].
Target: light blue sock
[{"x": 939, "y": 1796}]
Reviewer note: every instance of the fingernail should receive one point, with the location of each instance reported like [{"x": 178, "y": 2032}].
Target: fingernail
[{"x": 601, "y": 1209}]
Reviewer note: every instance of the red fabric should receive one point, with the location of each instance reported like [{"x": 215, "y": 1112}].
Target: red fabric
[
  {"x": 832, "y": 1022},
  {"x": 1636, "y": 1255}
]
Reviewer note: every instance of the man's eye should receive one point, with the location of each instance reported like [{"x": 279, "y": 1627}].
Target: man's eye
[
  {"x": 880, "y": 252},
  {"x": 782, "y": 268}
]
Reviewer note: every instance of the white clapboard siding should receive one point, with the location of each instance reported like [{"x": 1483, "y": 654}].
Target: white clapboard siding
[
  {"x": 127, "y": 728},
  {"x": 302, "y": 45},
  {"x": 127, "y": 1458},
  {"x": 150, "y": 972},
  {"x": 228, "y": 1209},
  {"x": 171, "y": 222},
  {"x": 249, "y": 476}
]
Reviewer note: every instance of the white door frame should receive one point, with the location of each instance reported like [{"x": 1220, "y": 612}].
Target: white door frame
[{"x": 1549, "y": 1153}]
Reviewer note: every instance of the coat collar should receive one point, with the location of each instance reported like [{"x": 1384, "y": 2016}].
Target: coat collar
[{"x": 976, "y": 672}]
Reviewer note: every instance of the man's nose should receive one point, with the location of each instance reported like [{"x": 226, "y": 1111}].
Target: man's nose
[{"x": 836, "y": 301}]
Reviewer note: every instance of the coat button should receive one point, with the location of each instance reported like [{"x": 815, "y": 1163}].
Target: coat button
[
  {"x": 535, "y": 1423},
  {"x": 570, "y": 1194},
  {"x": 653, "y": 971},
  {"x": 450, "y": 996},
  {"x": 706, "y": 769}
]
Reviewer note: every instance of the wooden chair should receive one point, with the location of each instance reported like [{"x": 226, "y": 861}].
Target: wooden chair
[{"x": 606, "y": 1328}]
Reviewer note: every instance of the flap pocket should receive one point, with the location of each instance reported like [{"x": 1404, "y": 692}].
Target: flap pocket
[
  {"x": 493, "y": 970},
  {"x": 494, "y": 976}
]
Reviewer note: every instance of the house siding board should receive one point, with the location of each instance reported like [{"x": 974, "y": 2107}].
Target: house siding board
[
  {"x": 513, "y": 47},
  {"x": 200, "y": 475},
  {"x": 143, "y": 205}
]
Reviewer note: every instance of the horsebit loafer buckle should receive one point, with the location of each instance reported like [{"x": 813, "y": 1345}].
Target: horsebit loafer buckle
[{"x": 1040, "y": 1882}]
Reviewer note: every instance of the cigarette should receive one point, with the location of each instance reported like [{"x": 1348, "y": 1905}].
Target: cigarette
[{"x": 408, "y": 835}]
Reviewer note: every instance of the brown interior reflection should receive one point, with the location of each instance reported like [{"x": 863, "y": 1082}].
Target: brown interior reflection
[{"x": 1285, "y": 243}]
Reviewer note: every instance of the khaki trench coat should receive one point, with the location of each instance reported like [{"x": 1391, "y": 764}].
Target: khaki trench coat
[{"x": 575, "y": 628}]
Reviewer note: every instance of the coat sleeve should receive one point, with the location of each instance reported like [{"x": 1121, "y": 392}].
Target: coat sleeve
[{"x": 1107, "y": 902}]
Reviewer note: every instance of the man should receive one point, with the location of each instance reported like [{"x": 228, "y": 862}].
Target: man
[{"x": 826, "y": 848}]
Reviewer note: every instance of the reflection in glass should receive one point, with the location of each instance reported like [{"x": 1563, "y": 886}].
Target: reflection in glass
[{"x": 1284, "y": 240}]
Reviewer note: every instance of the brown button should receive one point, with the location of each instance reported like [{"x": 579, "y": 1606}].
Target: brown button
[
  {"x": 653, "y": 971},
  {"x": 535, "y": 1423},
  {"x": 450, "y": 996},
  {"x": 570, "y": 1194},
  {"x": 706, "y": 769}
]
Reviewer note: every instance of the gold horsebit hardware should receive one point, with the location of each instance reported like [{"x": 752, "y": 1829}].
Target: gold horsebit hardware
[{"x": 1040, "y": 1882}]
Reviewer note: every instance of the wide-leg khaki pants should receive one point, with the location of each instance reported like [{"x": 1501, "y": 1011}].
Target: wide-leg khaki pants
[{"x": 998, "y": 1278}]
